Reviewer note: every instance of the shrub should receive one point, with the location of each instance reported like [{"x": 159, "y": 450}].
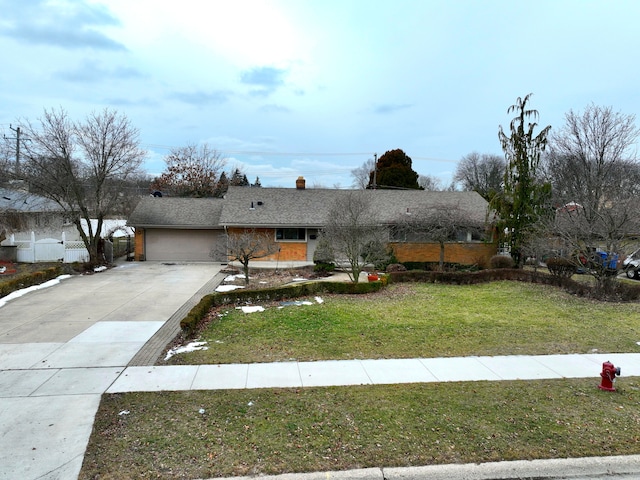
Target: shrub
[
  {"x": 396, "y": 267},
  {"x": 323, "y": 253},
  {"x": 561, "y": 267},
  {"x": 501, "y": 261},
  {"x": 324, "y": 268},
  {"x": 34, "y": 278}
]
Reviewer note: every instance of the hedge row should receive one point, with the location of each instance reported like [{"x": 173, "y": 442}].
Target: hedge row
[
  {"x": 24, "y": 281},
  {"x": 275, "y": 294},
  {"x": 622, "y": 291}
]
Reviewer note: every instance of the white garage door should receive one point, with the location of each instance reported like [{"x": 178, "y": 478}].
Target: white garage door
[{"x": 181, "y": 245}]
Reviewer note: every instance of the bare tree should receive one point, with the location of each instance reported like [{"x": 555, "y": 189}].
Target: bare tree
[
  {"x": 481, "y": 173},
  {"x": 591, "y": 156},
  {"x": 82, "y": 165},
  {"x": 361, "y": 174},
  {"x": 430, "y": 183},
  {"x": 354, "y": 232},
  {"x": 247, "y": 245},
  {"x": 595, "y": 175},
  {"x": 441, "y": 224},
  {"x": 191, "y": 171}
]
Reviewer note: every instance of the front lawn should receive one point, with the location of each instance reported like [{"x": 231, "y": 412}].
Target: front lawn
[
  {"x": 422, "y": 320},
  {"x": 203, "y": 434}
]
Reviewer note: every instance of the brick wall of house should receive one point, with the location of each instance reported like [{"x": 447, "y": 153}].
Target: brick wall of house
[
  {"x": 139, "y": 244},
  {"x": 289, "y": 251},
  {"x": 463, "y": 253}
]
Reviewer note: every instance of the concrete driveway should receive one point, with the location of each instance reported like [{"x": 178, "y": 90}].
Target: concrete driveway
[{"x": 62, "y": 347}]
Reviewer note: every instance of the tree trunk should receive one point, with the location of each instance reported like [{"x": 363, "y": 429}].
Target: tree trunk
[{"x": 245, "y": 268}]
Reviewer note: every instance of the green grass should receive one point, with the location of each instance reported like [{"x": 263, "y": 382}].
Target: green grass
[
  {"x": 245, "y": 432},
  {"x": 423, "y": 320},
  {"x": 318, "y": 429}
]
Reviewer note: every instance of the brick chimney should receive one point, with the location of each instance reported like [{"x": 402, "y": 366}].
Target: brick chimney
[{"x": 300, "y": 183}]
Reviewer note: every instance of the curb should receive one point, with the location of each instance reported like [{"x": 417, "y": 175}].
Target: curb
[{"x": 561, "y": 468}]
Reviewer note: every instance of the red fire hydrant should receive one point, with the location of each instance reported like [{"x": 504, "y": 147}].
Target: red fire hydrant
[{"x": 608, "y": 374}]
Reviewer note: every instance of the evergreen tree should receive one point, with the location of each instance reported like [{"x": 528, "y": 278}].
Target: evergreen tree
[
  {"x": 524, "y": 197},
  {"x": 239, "y": 179},
  {"x": 393, "y": 170},
  {"x": 222, "y": 186}
]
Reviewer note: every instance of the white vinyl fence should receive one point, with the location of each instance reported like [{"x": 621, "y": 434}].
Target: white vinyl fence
[{"x": 50, "y": 250}]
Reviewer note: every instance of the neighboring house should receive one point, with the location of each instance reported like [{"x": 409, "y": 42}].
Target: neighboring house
[
  {"x": 23, "y": 213},
  {"x": 187, "y": 228},
  {"x": 177, "y": 229}
]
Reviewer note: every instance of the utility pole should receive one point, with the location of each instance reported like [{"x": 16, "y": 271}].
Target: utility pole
[
  {"x": 18, "y": 140},
  {"x": 375, "y": 170}
]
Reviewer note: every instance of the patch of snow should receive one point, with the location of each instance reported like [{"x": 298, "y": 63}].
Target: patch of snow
[
  {"x": 233, "y": 278},
  {"x": 250, "y": 404},
  {"x": 247, "y": 309},
  {"x": 227, "y": 288},
  {"x": 33, "y": 288},
  {"x": 190, "y": 347},
  {"x": 319, "y": 300},
  {"x": 299, "y": 279},
  {"x": 100, "y": 269}
]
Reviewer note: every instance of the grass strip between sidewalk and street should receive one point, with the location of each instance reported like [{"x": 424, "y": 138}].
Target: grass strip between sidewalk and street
[{"x": 246, "y": 432}]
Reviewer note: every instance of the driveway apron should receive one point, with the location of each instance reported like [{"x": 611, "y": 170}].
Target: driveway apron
[{"x": 61, "y": 347}]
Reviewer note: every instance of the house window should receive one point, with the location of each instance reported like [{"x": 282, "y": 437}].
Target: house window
[{"x": 291, "y": 234}]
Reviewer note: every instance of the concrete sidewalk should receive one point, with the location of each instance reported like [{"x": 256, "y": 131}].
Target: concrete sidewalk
[{"x": 369, "y": 372}]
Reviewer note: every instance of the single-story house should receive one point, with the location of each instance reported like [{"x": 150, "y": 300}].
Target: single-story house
[
  {"x": 22, "y": 213},
  {"x": 189, "y": 229},
  {"x": 177, "y": 229}
]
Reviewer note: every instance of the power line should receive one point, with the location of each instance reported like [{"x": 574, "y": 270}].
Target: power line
[{"x": 303, "y": 154}]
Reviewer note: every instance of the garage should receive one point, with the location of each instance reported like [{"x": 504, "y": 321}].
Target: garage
[{"x": 188, "y": 245}]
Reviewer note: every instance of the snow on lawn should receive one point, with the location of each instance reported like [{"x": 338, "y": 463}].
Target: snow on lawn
[
  {"x": 233, "y": 278},
  {"x": 33, "y": 288},
  {"x": 190, "y": 347},
  {"x": 247, "y": 309},
  {"x": 297, "y": 303},
  {"x": 227, "y": 288}
]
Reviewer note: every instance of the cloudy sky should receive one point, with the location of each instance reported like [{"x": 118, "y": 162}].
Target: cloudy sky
[{"x": 317, "y": 87}]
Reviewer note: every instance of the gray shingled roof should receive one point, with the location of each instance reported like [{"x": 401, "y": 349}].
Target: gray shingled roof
[
  {"x": 174, "y": 212},
  {"x": 20, "y": 201},
  {"x": 282, "y": 207},
  {"x": 252, "y": 207}
]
